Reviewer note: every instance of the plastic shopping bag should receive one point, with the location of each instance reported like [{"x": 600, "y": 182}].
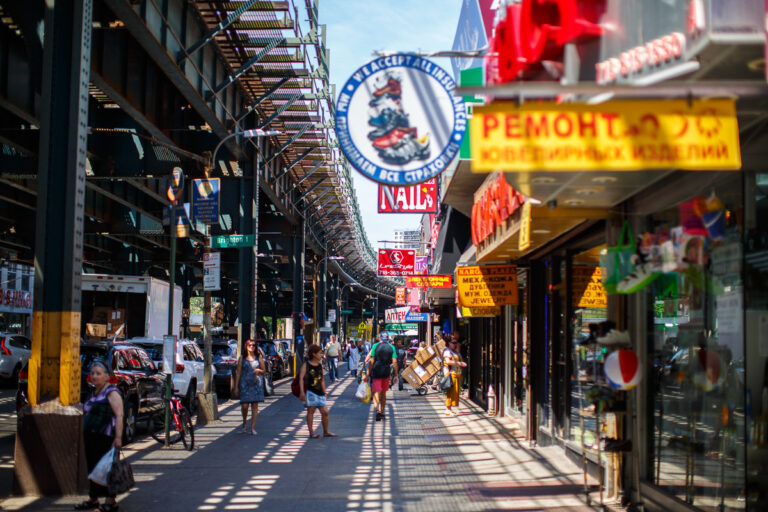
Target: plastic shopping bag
[
  {"x": 363, "y": 392},
  {"x": 101, "y": 471}
]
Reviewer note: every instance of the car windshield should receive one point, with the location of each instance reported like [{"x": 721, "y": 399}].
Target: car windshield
[
  {"x": 154, "y": 351},
  {"x": 221, "y": 351},
  {"x": 269, "y": 349},
  {"x": 89, "y": 354}
]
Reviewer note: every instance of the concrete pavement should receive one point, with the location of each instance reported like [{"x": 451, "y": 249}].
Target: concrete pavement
[{"x": 415, "y": 460}]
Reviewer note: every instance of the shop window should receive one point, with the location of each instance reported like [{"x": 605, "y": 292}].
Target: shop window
[
  {"x": 589, "y": 306},
  {"x": 688, "y": 269}
]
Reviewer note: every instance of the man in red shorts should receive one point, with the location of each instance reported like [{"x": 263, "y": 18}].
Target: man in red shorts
[{"x": 380, "y": 362}]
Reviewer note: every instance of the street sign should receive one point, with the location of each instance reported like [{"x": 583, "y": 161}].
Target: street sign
[
  {"x": 396, "y": 262},
  {"x": 346, "y": 311},
  {"x": 416, "y": 317},
  {"x": 205, "y": 200},
  {"x": 232, "y": 241},
  {"x": 212, "y": 271},
  {"x": 182, "y": 219},
  {"x": 331, "y": 315},
  {"x": 176, "y": 186}
]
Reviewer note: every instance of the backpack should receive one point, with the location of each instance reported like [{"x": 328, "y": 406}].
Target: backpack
[{"x": 295, "y": 386}]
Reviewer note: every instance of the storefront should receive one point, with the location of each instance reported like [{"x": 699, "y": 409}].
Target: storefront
[
  {"x": 659, "y": 274},
  {"x": 16, "y": 295}
]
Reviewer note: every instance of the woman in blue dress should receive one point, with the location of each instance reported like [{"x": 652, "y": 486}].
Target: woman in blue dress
[{"x": 249, "y": 383}]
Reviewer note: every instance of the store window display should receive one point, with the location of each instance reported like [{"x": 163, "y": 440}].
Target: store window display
[{"x": 688, "y": 266}]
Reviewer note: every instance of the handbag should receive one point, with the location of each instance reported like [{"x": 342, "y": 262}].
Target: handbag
[
  {"x": 616, "y": 261},
  {"x": 269, "y": 388},
  {"x": 120, "y": 476},
  {"x": 446, "y": 382},
  {"x": 295, "y": 387}
]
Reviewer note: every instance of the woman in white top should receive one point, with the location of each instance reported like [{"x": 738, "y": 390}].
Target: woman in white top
[
  {"x": 354, "y": 358},
  {"x": 452, "y": 364}
]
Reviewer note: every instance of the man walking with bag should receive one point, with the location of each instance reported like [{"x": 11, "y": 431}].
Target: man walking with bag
[
  {"x": 332, "y": 353},
  {"x": 380, "y": 362}
]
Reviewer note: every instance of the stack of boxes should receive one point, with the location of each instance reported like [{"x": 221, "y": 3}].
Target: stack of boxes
[
  {"x": 428, "y": 362},
  {"x": 105, "y": 323}
]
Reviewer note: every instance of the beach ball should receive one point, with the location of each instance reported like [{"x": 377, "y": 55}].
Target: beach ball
[
  {"x": 708, "y": 370},
  {"x": 622, "y": 369}
]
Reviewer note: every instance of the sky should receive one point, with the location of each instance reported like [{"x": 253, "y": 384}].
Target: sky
[{"x": 356, "y": 28}]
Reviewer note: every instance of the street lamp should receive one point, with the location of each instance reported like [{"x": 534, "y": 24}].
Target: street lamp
[
  {"x": 246, "y": 134},
  {"x": 339, "y": 303}
]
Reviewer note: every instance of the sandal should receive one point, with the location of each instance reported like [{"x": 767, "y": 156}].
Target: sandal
[
  {"x": 87, "y": 505},
  {"x": 109, "y": 507},
  {"x": 329, "y": 435},
  {"x": 314, "y": 436}
]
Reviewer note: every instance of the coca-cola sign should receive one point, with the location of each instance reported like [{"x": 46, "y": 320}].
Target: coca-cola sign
[
  {"x": 396, "y": 262},
  {"x": 421, "y": 198}
]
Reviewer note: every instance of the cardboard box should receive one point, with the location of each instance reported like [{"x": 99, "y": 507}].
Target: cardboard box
[
  {"x": 101, "y": 315},
  {"x": 439, "y": 347},
  {"x": 96, "y": 330},
  {"x": 433, "y": 365},
  {"x": 421, "y": 372},
  {"x": 425, "y": 354},
  {"x": 411, "y": 378}
]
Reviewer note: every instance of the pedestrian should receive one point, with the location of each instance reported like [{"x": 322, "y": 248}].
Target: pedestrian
[
  {"x": 380, "y": 362},
  {"x": 366, "y": 350},
  {"x": 462, "y": 351},
  {"x": 312, "y": 386},
  {"x": 401, "y": 353},
  {"x": 249, "y": 384},
  {"x": 452, "y": 365},
  {"x": 102, "y": 430},
  {"x": 354, "y": 358},
  {"x": 332, "y": 353}
]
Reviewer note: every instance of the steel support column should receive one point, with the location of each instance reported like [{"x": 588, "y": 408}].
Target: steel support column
[
  {"x": 298, "y": 291},
  {"x": 51, "y": 445},
  {"x": 245, "y": 277}
]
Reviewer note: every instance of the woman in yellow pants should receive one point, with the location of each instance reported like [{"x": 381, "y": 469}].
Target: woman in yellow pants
[{"x": 452, "y": 363}]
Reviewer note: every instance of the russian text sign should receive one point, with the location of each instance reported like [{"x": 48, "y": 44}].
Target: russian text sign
[
  {"x": 487, "y": 286},
  {"x": 587, "y": 287},
  {"x": 398, "y": 121},
  {"x": 421, "y": 198},
  {"x": 429, "y": 282},
  {"x": 396, "y": 315},
  {"x": 615, "y": 136}
]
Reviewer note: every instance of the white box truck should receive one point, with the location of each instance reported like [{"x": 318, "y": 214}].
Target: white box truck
[{"x": 138, "y": 303}]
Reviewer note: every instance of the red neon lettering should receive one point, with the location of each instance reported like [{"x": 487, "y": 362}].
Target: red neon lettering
[{"x": 497, "y": 203}]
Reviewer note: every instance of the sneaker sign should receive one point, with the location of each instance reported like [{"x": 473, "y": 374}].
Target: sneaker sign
[{"x": 398, "y": 120}]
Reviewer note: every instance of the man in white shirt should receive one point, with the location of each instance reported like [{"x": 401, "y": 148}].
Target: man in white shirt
[{"x": 332, "y": 353}]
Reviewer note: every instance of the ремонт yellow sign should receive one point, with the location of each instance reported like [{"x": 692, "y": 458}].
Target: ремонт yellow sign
[{"x": 616, "y": 135}]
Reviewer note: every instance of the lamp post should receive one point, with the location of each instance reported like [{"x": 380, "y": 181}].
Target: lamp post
[
  {"x": 207, "y": 376},
  {"x": 322, "y": 263},
  {"x": 343, "y": 325}
]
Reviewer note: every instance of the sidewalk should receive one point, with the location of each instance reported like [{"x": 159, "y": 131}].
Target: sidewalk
[{"x": 415, "y": 460}]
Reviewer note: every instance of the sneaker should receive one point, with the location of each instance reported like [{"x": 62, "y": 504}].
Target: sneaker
[
  {"x": 614, "y": 338},
  {"x": 637, "y": 280}
]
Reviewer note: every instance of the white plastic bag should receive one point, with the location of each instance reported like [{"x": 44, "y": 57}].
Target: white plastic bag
[
  {"x": 100, "y": 472},
  {"x": 363, "y": 392}
]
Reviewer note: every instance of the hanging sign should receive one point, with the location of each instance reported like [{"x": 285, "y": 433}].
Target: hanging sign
[
  {"x": 487, "y": 286},
  {"x": 396, "y": 262},
  {"x": 496, "y": 203},
  {"x": 428, "y": 282},
  {"x": 421, "y": 198},
  {"x": 615, "y": 136},
  {"x": 15, "y": 301},
  {"x": 400, "y": 295},
  {"x": 416, "y": 317},
  {"x": 396, "y": 315},
  {"x": 176, "y": 185},
  {"x": 212, "y": 271},
  {"x": 422, "y": 262},
  {"x": 205, "y": 200},
  {"x": 398, "y": 121}
]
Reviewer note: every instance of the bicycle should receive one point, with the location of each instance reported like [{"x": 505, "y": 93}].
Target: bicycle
[{"x": 180, "y": 425}]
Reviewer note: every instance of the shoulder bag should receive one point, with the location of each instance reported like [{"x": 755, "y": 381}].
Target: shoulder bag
[{"x": 120, "y": 476}]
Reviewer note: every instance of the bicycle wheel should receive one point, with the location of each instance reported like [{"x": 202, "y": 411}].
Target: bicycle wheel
[
  {"x": 187, "y": 432},
  {"x": 156, "y": 428}
]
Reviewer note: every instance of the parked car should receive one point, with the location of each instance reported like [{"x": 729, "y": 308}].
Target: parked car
[
  {"x": 278, "y": 363},
  {"x": 15, "y": 350},
  {"x": 188, "y": 375},
  {"x": 134, "y": 373},
  {"x": 225, "y": 362}
]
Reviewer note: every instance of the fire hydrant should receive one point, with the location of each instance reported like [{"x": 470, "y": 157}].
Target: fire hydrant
[{"x": 491, "y": 401}]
